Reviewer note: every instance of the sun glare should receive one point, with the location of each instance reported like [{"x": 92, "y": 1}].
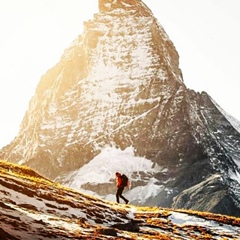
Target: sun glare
[{"x": 35, "y": 35}]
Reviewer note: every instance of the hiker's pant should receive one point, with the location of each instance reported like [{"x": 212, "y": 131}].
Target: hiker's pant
[{"x": 119, "y": 194}]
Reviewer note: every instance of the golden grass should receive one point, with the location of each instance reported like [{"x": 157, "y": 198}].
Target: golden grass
[{"x": 153, "y": 220}]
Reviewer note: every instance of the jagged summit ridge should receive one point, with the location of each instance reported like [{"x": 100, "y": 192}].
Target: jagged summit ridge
[
  {"x": 119, "y": 87},
  {"x": 115, "y": 5}
]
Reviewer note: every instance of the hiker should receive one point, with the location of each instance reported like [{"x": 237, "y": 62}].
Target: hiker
[{"x": 121, "y": 182}]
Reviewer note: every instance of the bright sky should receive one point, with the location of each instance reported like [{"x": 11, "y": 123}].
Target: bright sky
[{"x": 34, "y": 34}]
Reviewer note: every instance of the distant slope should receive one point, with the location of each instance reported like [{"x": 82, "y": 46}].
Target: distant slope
[{"x": 33, "y": 207}]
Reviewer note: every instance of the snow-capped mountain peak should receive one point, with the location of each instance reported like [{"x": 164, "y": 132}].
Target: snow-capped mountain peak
[{"x": 117, "y": 101}]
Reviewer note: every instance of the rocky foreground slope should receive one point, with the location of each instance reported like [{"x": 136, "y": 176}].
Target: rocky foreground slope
[
  {"x": 119, "y": 86},
  {"x": 33, "y": 207}
]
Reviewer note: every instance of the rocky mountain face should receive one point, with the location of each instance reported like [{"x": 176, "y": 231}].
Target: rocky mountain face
[{"x": 119, "y": 85}]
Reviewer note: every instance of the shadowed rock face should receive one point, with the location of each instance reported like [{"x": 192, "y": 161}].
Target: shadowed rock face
[{"x": 119, "y": 84}]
